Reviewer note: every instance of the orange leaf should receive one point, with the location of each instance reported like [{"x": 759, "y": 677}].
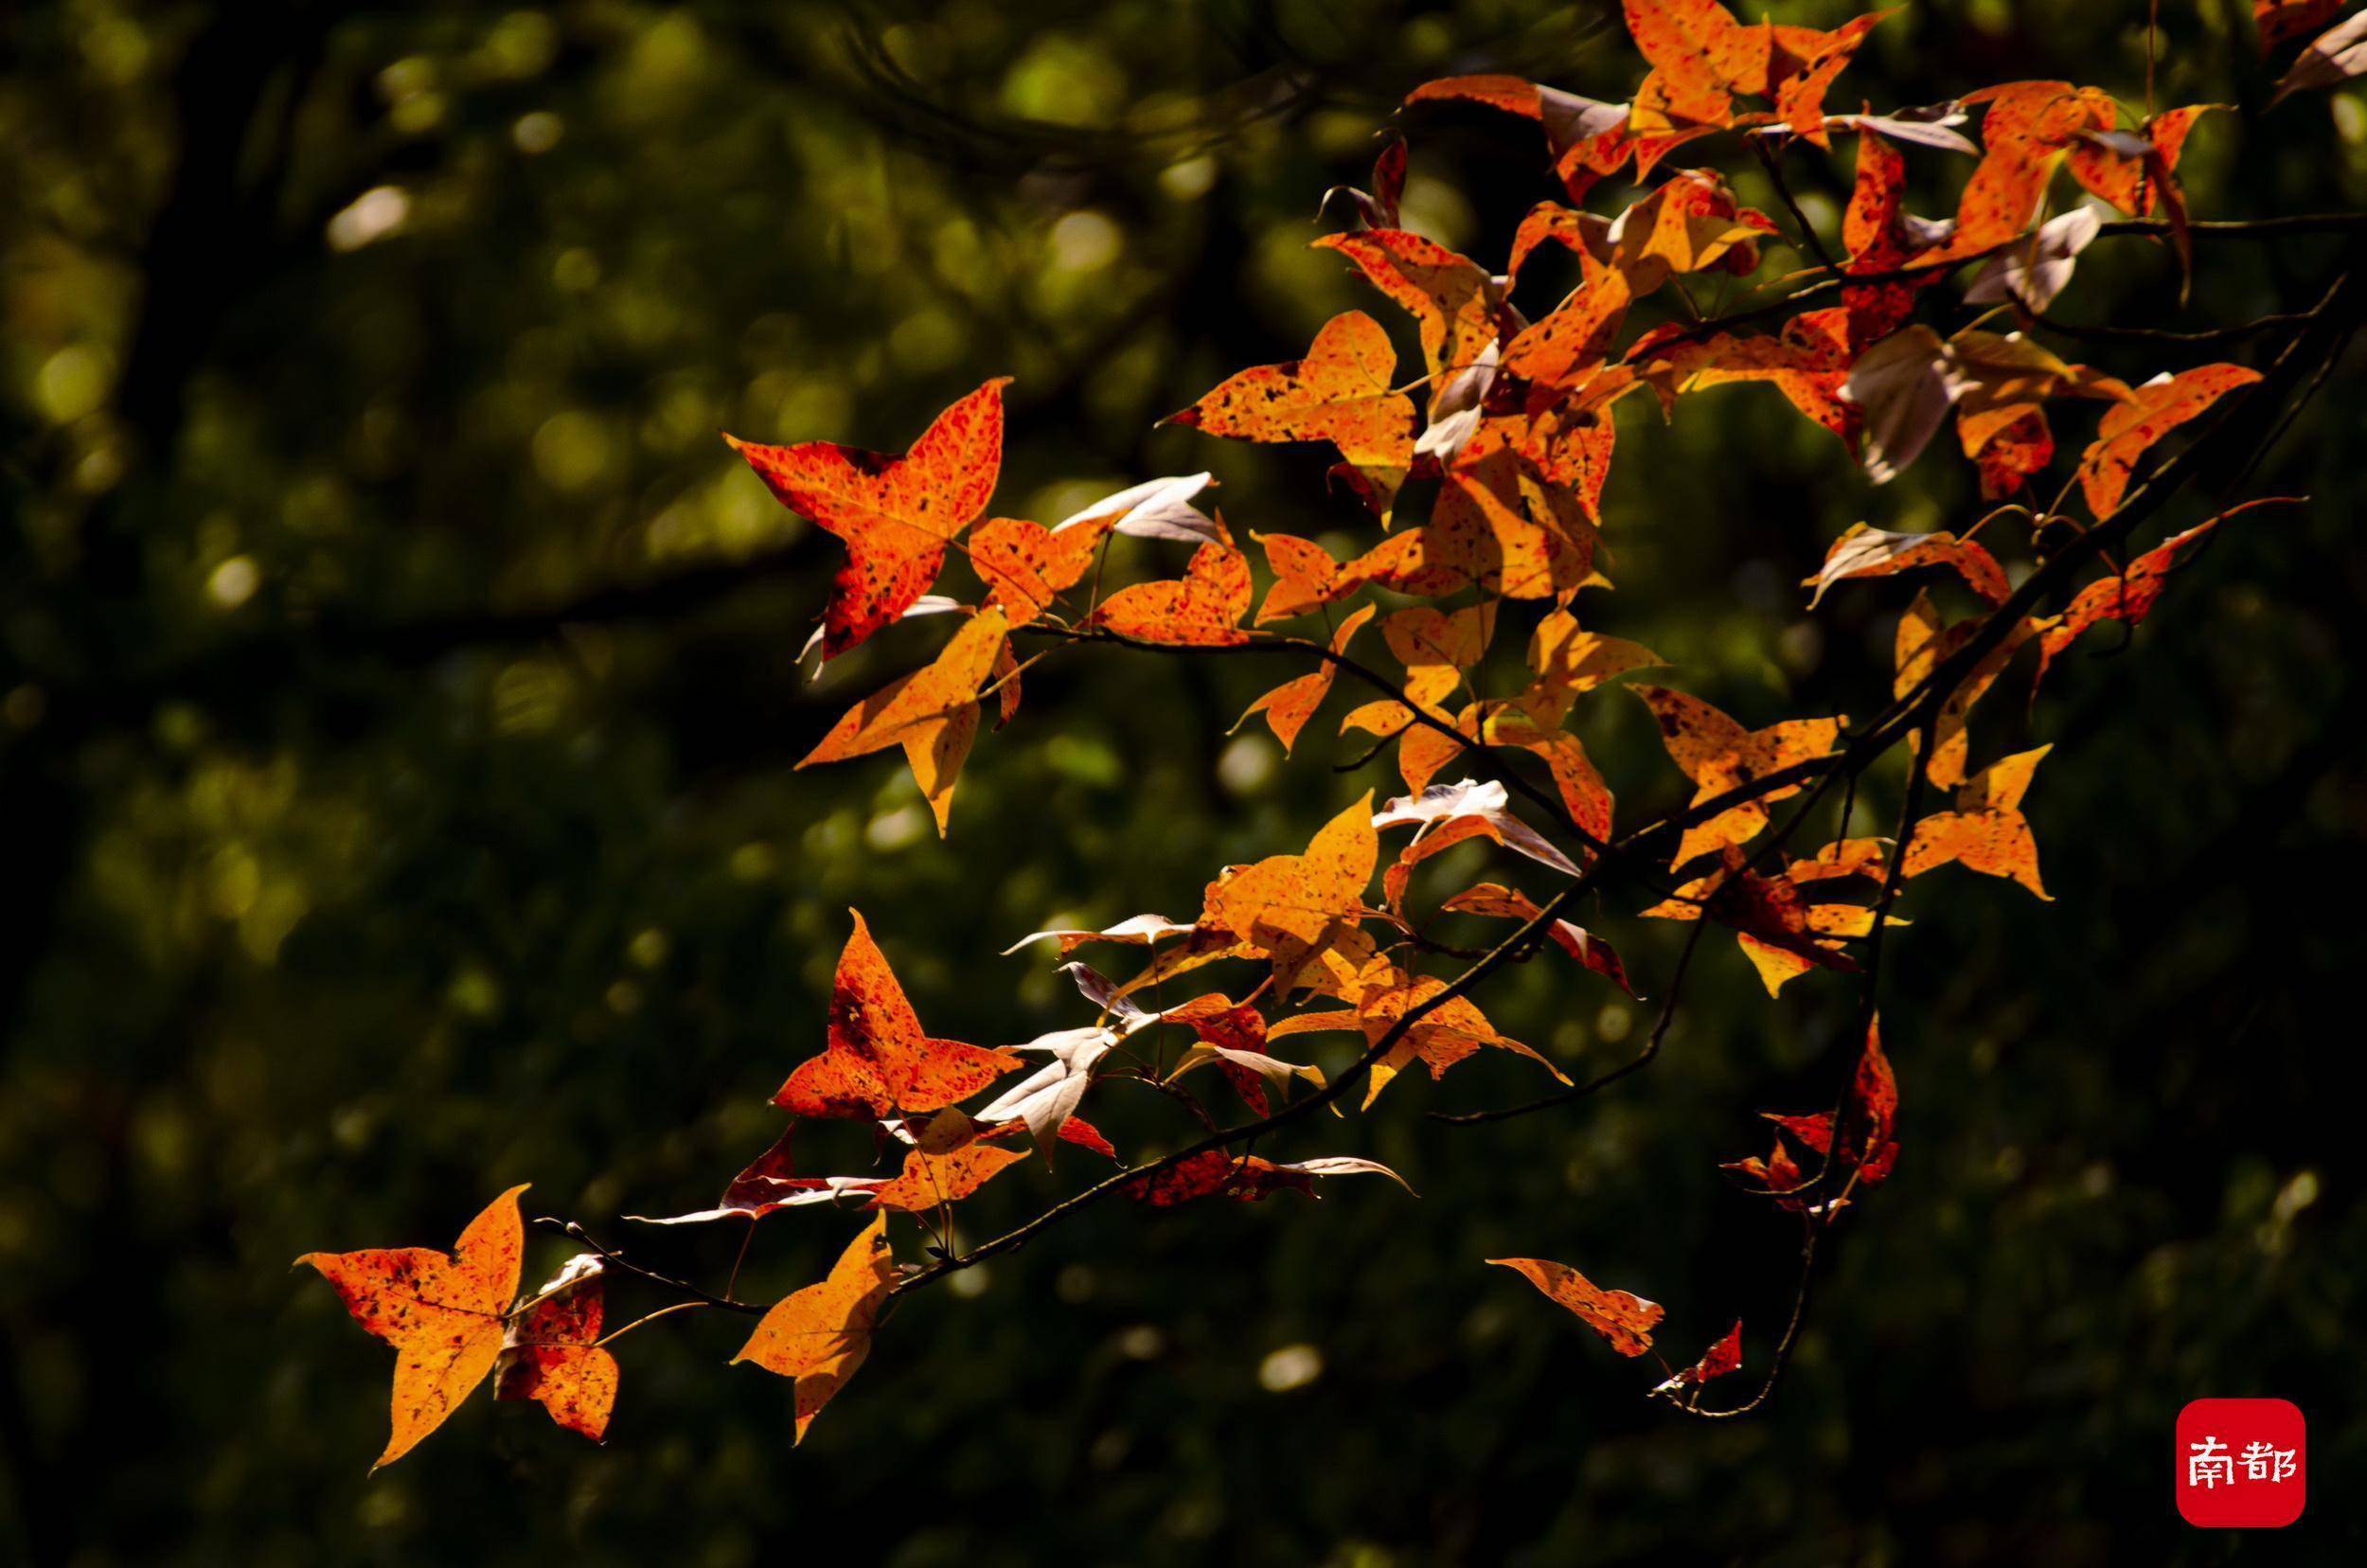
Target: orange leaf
[
  {"x": 1800, "y": 97},
  {"x": 1306, "y": 577},
  {"x": 877, "y": 1062},
  {"x": 932, "y": 713},
  {"x": 1245, "y": 1177},
  {"x": 1289, "y": 706},
  {"x": 1292, "y": 907},
  {"x": 1986, "y": 832},
  {"x": 1623, "y": 1319},
  {"x": 1339, "y": 393},
  {"x": 820, "y": 1335},
  {"x": 2127, "y": 596},
  {"x": 1868, "y": 552},
  {"x": 1699, "y": 56},
  {"x": 2130, "y": 430},
  {"x": 2134, "y": 171},
  {"x": 930, "y": 1180},
  {"x": 896, "y": 514},
  {"x": 2025, "y": 131},
  {"x": 1720, "y": 754},
  {"x": 1202, "y": 609},
  {"x": 1384, "y": 992},
  {"x": 1569, "y": 661},
  {"x": 1452, "y": 298},
  {"x": 441, "y": 1312},
  {"x": 1025, "y": 566}
]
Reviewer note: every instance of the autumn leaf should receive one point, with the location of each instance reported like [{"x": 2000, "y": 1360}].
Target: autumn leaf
[
  {"x": 1688, "y": 223},
  {"x": 1232, "y": 1040},
  {"x": 1923, "y": 644},
  {"x": 2136, "y": 171},
  {"x": 1986, "y": 832},
  {"x": 1383, "y": 994},
  {"x": 550, "y": 1352},
  {"x": 2032, "y": 274},
  {"x": 1999, "y": 383},
  {"x": 2130, "y": 430},
  {"x": 1585, "y": 798},
  {"x": 1140, "y": 930},
  {"x": 1458, "y": 405},
  {"x": 1452, "y": 300},
  {"x": 1377, "y": 209},
  {"x": 441, "y": 1312},
  {"x": 1719, "y": 755},
  {"x": 1868, "y": 552},
  {"x": 1292, "y": 907},
  {"x": 1289, "y": 706},
  {"x": 1437, "y": 646},
  {"x": 1156, "y": 508},
  {"x": 1045, "y": 1101},
  {"x": 1341, "y": 393},
  {"x": 1902, "y": 385},
  {"x": 1509, "y": 903},
  {"x": 929, "y": 1181},
  {"x": 1587, "y": 139},
  {"x": 2335, "y": 57},
  {"x": 1495, "y": 523},
  {"x": 1444, "y": 815},
  {"x": 1623, "y": 1319},
  {"x": 1026, "y": 565},
  {"x": 1719, "y": 1359},
  {"x": 2282, "y": 21},
  {"x": 1699, "y": 57},
  {"x": 1882, "y": 237},
  {"x": 1800, "y": 95},
  {"x": 1306, "y": 577},
  {"x": 769, "y": 1184},
  {"x": 1778, "y": 929},
  {"x": 877, "y": 1062},
  {"x": 931, "y": 713},
  {"x": 1569, "y": 661},
  {"x": 2127, "y": 596},
  {"x": 1575, "y": 339},
  {"x": 820, "y": 1335},
  {"x": 1245, "y": 1177},
  {"x": 1202, "y": 609},
  {"x": 896, "y": 514},
  {"x": 2026, "y": 129},
  {"x": 1778, "y": 1174},
  {"x": 1867, "y": 1145}
]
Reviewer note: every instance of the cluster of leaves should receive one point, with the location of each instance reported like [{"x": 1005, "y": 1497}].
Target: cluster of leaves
[{"x": 1485, "y": 501}]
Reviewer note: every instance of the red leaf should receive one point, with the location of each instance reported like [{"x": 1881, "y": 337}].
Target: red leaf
[
  {"x": 896, "y": 513},
  {"x": 1718, "y": 1360},
  {"x": 878, "y": 1064}
]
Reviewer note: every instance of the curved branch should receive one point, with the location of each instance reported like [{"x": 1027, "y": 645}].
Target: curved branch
[{"x": 1496, "y": 957}]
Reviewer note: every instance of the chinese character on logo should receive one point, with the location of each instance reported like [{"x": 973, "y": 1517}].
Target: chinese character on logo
[
  {"x": 2208, "y": 1464},
  {"x": 2241, "y": 1463}
]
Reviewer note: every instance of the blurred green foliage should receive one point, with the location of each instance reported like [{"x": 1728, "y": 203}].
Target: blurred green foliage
[{"x": 349, "y": 881}]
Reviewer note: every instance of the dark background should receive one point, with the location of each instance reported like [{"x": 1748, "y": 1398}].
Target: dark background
[{"x": 348, "y": 881}]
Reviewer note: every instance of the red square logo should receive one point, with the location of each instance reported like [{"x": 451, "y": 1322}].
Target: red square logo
[{"x": 2242, "y": 1464}]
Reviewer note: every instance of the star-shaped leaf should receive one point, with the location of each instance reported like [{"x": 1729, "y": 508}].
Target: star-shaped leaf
[
  {"x": 878, "y": 1064},
  {"x": 820, "y": 1336},
  {"x": 441, "y": 1312},
  {"x": 897, "y": 514}
]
